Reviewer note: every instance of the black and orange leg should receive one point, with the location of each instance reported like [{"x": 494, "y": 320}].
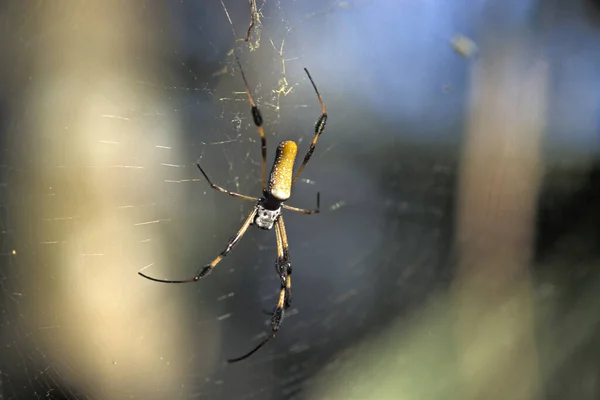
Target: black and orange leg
[
  {"x": 222, "y": 190},
  {"x": 284, "y": 270},
  {"x": 280, "y": 266},
  {"x": 319, "y": 128},
  {"x": 304, "y": 210},
  {"x": 258, "y": 121},
  {"x": 284, "y": 262},
  {"x": 275, "y": 324},
  {"x": 208, "y": 268},
  {"x": 253, "y": 13}
]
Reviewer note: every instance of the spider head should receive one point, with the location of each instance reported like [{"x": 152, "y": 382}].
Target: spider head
[{"x": 265, "y": 218}]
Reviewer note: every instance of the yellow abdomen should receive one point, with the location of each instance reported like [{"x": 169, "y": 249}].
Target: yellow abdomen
[{"x": 280, "y": 180}]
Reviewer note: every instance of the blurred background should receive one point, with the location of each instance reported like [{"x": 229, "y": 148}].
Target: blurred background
[{"x": 456, "y": 255}]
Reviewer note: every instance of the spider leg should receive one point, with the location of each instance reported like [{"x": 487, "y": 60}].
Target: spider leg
[
  {"x": 253, "y": 13},
  {"x": 222, "y": 190},
  {"x": 304, "y": 210},
  {"x": 258, "y": 121},
  {"x": 319, "y": 128},
  {"x": 208, "y": 268},
  {"x": 283, "y": 266},
  {"x": 284, "y": 263}
]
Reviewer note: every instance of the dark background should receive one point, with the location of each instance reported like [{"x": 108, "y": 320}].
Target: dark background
[{"x": 90, "y": 194}]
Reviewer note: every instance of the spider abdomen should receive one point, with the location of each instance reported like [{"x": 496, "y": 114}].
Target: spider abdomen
[{"x": 280, "y": 180}]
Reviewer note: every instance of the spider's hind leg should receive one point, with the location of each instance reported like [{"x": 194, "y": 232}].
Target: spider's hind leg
[{"x": 283, "y": 266}]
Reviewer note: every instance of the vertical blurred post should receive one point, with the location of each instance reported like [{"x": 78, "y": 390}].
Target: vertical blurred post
[
  {"x": 103, "y": 330},
  {"x": 499, "y": 183}
]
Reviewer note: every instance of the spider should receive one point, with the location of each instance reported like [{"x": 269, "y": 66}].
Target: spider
[{"x": 267, "y": 213}]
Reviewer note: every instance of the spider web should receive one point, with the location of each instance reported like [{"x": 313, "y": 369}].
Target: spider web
[
  {"x": 103, "y": 183},
  {"x": 108, "y": 108}
]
